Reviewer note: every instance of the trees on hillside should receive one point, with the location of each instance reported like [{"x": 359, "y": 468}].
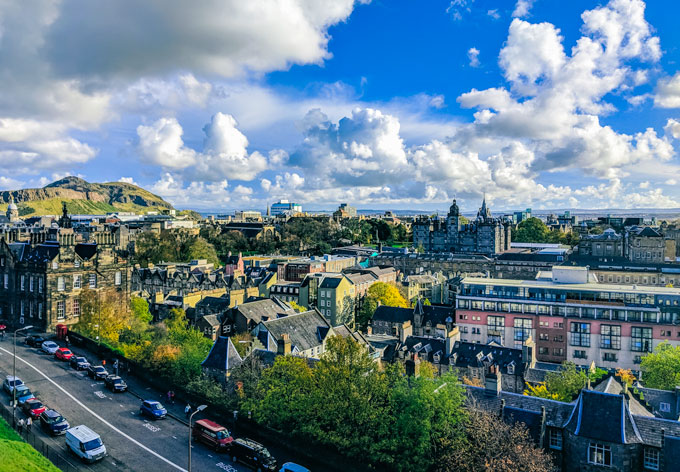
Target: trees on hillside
[
  {"x": 533, "y": 230},
  {"x": 661, "y": 368}
]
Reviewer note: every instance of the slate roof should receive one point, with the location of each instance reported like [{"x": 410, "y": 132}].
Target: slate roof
[
  {"x": 264, "y": 309},
  {"x": 655, "y": 397},
  {"x": 306, "y": 330},
  {"x": 358, "y": 279},
  {"x": 223, "y": 355},
  {"x": 604, "y": 417},
  {"x": 531, "y": 419},
  {"x": 86, "y": 250},
  {"x": 535, "y": 376},
  {"x": 330, "y": 282},
  {"x": 393, "y": 314},
  {"x": 650, "y": 429},
  {"x": 466, "y": 354},
  {"x": 212, "y": 320},
  {"x": 649, "y": 233},
  {"x": 425, "y": 346},
  {"x": 213, "y": 303}
]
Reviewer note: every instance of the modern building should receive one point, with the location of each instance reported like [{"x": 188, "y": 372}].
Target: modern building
[
  {"x": 571, "y": 316},
  {"x": 484, "y": 235},
  {"x": 345, "y": 211},
  {"x": 284, "y": 206},
  {"x": 333, "y": 295}
]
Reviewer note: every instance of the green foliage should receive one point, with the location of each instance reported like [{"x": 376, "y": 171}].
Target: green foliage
[
  {"x": 346, "y": 401},
  {"x": 17, "y": 455},
  {"x": 140, "y": 310},
  {"x": 565, "y": 384},
  {"x": 533, "y": 230},
  {"x": 661, "y": 368},
  {"x": 202, "y": 249},
  {"x": 384, "y": 293},
  {"x": 296, "y": 307}
]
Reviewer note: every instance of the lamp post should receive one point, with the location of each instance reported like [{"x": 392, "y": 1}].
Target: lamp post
[
  {"x": 200, "y": 408},
  {"x": 14, "y": 375}
]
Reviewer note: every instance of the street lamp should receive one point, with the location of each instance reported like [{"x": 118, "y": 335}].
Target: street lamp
[
  {"x": 14, "y": 375},
  {"x": 200, "y": 408}
]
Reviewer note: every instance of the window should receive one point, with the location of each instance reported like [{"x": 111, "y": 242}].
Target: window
[
  {"x": 61, "y": 286},
  {"x": 117, "y": 278},
  {"x": 495, "y": 328},
  {"x": 77, "y": 281},
  {"x": 76, "y": 307},
  {"x": 522, "y": 329},
  {"x": 23, "y": 284},
  {"x": 22, "y": 309},
  {"x": 641, "y": 339},
  {"x": 55, "y": 265},
  {"x": 651, "y": 458},
  {"x": 61, "y": 309},
  {"x": 580, "y": 334},
  {"x": 543, "y": 350},
  {"x": 5, "y": 281},
  {"x": 555, "y": 439},
  {"x": 40, "y": 284},
  {"x": 610, "y": 337},
  {"x": 40, "y": 305},
  {"x": 665, "y": 407},
  {"x": 609, "y": 357},
  {"x": 30, "y": 283},
  {"x": 599, "y": 454},
  {"x": 580, "y": 354},
  {"x": 93, "y": 280},
  {"x": 543, "y": 337},
  {"x": 558, "y": 351}
]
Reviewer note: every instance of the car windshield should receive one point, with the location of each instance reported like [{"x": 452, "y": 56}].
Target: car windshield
[
  {"x": 49, "y": 344},
  {"x": 81, "y": 359},
  {"x": 118, "y": 381},
  {"x": 92, "y": 444},
  {"x": 157, "y": 406},
  {"x": 224, "y": 434},
  {"x": 16, "y": 382},
  {"x": 55, "y": 419},
  {"x": 100, "y": 369},
  {"x": 24, "y": 392},
  {"x": 65, "y": 351},
  {"x": 35, "y": 405}
]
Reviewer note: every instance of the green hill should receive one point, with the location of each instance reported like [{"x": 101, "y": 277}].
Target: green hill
[
  {"x": 83, "y": 197},
  {"x": 17, "y": 455}
]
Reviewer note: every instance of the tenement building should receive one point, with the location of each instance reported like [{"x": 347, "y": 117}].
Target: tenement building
[
  {"x": 42, "y": 279},
  {"x": 571, "y": 316},
  {"x": 483, "y": 235}
]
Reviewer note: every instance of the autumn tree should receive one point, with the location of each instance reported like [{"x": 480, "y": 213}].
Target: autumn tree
[
  {"x": 380, "y": 293},
  {"x": 661, "y": 368},
  {"x": 101, "y": 317},
  {"x": 492, "y": 445}
]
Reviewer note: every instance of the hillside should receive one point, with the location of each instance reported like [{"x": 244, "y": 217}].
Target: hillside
[{"x": 83, "y": 197}]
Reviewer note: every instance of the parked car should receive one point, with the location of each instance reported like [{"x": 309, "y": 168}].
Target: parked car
[
  {"x": 97, "y": 372},
  {"x": 293, "y": 467},
  {"x": 85, "y": 443},
  {"x": 33, "y": 408},
  {"x": 34, "y": 340},
  {"x": 52, "y": 422},
  {"x": 153, "y": 409},
  {"x": 23, "y": 394},
  {"x": 63, "y": 354},
  {"x": 115, "y": 383},
  {"x": 50, "y": 347},
  {"x": 252, "y": 454},
  {"x": 212, "y": 434},
  {"x": 79, "y": 363},
  {"x": 11, "y": 382}
]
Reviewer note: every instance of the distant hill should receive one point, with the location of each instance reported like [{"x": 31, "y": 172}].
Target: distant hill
[{"x": 83, "y": 197}]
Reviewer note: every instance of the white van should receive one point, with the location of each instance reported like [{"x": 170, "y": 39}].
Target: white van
[{"x": 85, "y": 443}]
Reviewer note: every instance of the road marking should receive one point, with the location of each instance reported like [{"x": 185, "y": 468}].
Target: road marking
[
  {"x": 227, "y": 467},
  {"x": 100, "y": 394},
  {"x": 174, "y": 437},
  {"x": 129, "y": 438},
  {"x": 152, "y": 428}
]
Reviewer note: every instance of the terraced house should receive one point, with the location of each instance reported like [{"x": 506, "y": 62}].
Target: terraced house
[{"x": 42, "y": 279}]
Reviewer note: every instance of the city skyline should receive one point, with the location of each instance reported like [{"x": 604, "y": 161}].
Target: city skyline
[{"x": 538, "y": 105}]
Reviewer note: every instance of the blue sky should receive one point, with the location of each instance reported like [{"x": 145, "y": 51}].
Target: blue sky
[{"x": 219, "y": 105}]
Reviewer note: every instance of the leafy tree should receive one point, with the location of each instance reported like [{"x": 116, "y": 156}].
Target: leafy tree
[
  {"x": 296, "y": 307},
  {"x": 562, "y": 385},
  {"x": 626, "y": 376},
  {"x": 101, "y": 316},
  {"x": 661, "y": 368},
  {"x": 493, "y": 445},
  {"x": 242, "y": 342},
  {"x": 531, "y": 230},
  {"x": 381, "y": 292},
  {"x": 139, "y": 309},
  {"x": 202, "y": 249},
  {"x": 540, "y": 391}
]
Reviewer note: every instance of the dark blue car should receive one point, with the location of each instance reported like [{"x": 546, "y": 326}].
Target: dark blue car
[
  {"x": 153, "y": 409},
  {"x": 52, "y": 422}
]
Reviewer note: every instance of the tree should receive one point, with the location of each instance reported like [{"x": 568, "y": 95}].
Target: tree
[
  {"x": 296, "y": 307},
  {"x": 381, "y": 292},
  {"x": 661, "y": 368},
  {"x": 101, "y": 317},
  {"x": 540, "y": 390},
  {"x": 531, "y": 230},
  {"x": 493, "y": 445},
  {"x": 562, "y": 385},
  {"x": 139, "y": 308},
  {"x": 202, "y": 249}
]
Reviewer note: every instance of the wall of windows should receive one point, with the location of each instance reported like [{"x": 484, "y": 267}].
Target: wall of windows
[
  {"x": 580, "y": 334},
  {"x": 641, "y": 339},
  {"x": 610, "y": 337}
]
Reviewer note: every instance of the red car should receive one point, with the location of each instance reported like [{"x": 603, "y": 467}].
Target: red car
[
  {"x": 33, "y": 408},
  {"x": 63, "y": 354}
]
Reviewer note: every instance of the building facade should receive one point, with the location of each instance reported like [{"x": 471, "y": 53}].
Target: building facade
[
  {"x": 571, "y": 316},
  {"x": 484, "y": 235}
]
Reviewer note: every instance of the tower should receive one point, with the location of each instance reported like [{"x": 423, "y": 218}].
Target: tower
[
  {"x": 12, "y": 211},
  {"x": 65, "y": 220}
]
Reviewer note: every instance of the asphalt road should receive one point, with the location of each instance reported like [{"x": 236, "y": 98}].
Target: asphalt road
[{"x": 133, "y": 443}]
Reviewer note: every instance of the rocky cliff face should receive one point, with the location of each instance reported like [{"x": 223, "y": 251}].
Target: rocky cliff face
[{"x": 118, "y": 195}]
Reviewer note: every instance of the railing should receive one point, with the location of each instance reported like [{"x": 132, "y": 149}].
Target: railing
[{"x": 58, "y": 457}]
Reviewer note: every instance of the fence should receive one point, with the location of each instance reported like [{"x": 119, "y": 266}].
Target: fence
[{"x": 59, "y": 457}]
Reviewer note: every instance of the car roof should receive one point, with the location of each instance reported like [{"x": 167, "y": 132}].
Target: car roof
[
  {"x": 83, "y": 433},
  {"x": 152, "y": 402},
  {"x": 293, "y": 467},
  {"x": 11, "y": 377},
  {"x": 211, "y": 425},
  {"x": 33, "y": 400},
  {"x": 49, "y": 343},
  {"x": 52, "y": 413},
  {"x": 249, "y": 443}
]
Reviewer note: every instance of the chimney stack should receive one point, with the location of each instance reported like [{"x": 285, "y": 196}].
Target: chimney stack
[
  {"x": 492, "y": 382},
  {"x": 283, "y": 346}
]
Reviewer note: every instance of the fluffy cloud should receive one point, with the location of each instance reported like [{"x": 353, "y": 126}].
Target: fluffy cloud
[
  {"x": 473, "y": 56},
  {"x": 522, "y": 8},
  {"x": 668, "y": 92},
  {"x": 224, "y": 152}
]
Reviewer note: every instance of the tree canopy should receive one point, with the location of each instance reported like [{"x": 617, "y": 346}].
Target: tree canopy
[
  {"x": 533, "y": 230},
  {"x": 564, "y": 384},
  {"x": 386, "y": 294},
  {"x": 661, "y": 368}
]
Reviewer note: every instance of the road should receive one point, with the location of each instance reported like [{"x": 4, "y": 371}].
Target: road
[{"x": 133, "y": 443}]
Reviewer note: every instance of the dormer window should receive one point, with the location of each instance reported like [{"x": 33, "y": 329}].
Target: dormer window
[
  {"x": 76, "y": 263},
  {"x": 511, "y": 368}
]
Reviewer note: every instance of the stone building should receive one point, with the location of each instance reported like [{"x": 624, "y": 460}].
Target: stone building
[
  {"x": 484, "y": 235},
  {"x": 41, "y": 279}
]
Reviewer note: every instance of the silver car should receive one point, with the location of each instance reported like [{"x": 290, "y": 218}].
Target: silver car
[{"x": 50, "y": 347}]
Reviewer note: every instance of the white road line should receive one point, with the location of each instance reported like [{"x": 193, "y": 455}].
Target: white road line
[{"x": 97, "y": 416}]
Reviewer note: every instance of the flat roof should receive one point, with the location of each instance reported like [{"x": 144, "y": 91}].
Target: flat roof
[{"x": 599, "y": 287}]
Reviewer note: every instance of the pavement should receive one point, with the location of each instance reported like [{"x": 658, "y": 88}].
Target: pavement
[{"x": 133, "y": 442}]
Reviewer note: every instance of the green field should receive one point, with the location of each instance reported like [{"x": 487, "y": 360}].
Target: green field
[
  {"x": 16, "y": 455},
  {"x": 52, "y": 206}
]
